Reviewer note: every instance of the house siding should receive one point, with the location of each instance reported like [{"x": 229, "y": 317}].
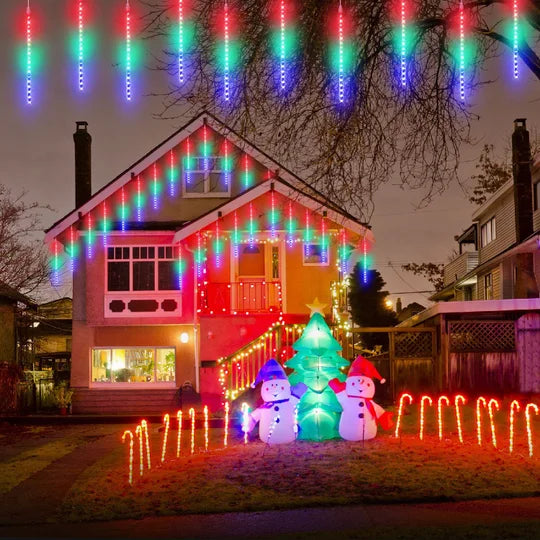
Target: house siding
[{"x": 503, "y": 211}]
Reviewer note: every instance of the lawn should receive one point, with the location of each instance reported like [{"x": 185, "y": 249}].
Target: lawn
[{"x": 260, "y": 477}]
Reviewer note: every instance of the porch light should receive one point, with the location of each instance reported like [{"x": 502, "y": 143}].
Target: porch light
[{"x": 184, "y": 337}]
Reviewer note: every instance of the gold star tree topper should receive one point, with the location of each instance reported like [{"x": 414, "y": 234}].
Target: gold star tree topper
[{"x": 316, "y": 307}]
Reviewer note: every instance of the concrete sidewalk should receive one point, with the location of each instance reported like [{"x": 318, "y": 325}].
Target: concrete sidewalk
[{"x": 505, "y": 518}]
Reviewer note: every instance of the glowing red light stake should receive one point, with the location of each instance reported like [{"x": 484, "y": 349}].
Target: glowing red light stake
[
  {"x": 457, "y": 400},
  {"x": 480, "y": 402},
  {"x": 493, "y": 403},
  {"x": 423, "y": 401},
  {"x": 514, "y": 408},
  {"x": 166, "y": 420},
  {"x": 440, "y": 401},
  {"x": 179, "y": 435},
  {"x": 400, "y": 411},
  {"x": 528, "y": 408}
]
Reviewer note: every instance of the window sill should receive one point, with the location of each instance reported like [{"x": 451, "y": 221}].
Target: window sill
[{"x": 132, "y": 386}]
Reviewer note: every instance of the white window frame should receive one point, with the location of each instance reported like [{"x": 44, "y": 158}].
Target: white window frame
[
  {"x": 131, "y": 260},
  {"x": 488, "y": 231},
  {"x": 138, "y": 385},
  {"x": 206, "y": 180},
  {"x": 322, "y": 263}
]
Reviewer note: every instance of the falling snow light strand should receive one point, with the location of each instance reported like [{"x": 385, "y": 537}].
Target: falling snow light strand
[
  {"x": 128, "y": 51},
  {"x": 155, "y": 186},
  {"x": 290, "y": 226},
  {"x": 514, "y": 408},
  {"x": 515, "y": 42},
  {"x": 403, "y": 43},
  {"x": 530, "y": 406},
  {"x": 457, "y": 400},
  {"x": 217, "y": 245},
  {"x": 139, "y": 199},
  {"x": 89, "y": 236},
  {"x": 282, "y": 68},
  {"x": 72, "y": 249},
  {"x": 122, "y": 210},
  {"x": 400, "y": 411},
  {"x": 181, "y": 41},
  {"x": 341, "y": 69},
  {"x": 28, "y": 54},
  {"x": 166, "y": 421},
  {"x": 365, "y": 265},
  {"x": 461, "y": 51},
  {"x": 172, "y": 179},
  {"x": 80, "y": 70},
  {"x": 226, "y": 66},
  {"x": 236, "y": 237},
  {"x": 105, "y": 225}
]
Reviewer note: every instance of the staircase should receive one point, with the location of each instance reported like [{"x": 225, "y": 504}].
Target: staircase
[{"x": 125, "y": 401}]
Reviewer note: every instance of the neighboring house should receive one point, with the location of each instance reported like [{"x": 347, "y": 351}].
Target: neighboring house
[
  {"x": 499, "y": 254},
  {"x": 403, "y": 313},
  {"x": 52, "y": 336},
  {"x": 187, "y": 256},
  {"x": 10, "y": 303}
]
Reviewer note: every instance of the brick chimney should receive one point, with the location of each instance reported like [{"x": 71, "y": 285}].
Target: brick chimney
[
  {"x": 521, "y": 168},
  {"x": 83, "y": 164}
]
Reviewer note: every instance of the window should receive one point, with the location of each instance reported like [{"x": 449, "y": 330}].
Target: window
[
  {"x": 207, "y": 177},
  {"x": 467, "y": 293},
  {"x": 488, "y": 287},
  {"x": 315, "y": 255},
  {"x": 487, "y": 232},
  {"x": 536, "y": 195},
  {"x": 133, "y": 365},
  {"x": 142, "y": 268}
]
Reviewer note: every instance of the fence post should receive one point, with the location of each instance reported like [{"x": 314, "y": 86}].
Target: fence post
[{"x": 391, "y": 357}]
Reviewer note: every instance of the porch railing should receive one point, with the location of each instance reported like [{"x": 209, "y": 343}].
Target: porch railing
[{"x": 240, "y": 297}]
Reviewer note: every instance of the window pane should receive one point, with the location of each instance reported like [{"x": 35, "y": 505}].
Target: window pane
[
  {"x": 166, "y": 365},
  {"x": 194, "y": 182},
  {"x": 218, "y": 182},
  {"x": 118, "y": 276},
  {"x": 161, "y": 252},
  {"x": 101, "y": 365},
  {"x": 132, "y": 365},
  {"x": 143, "y": 276},
  {"x": 167, "y": 276},
  {"x": 168, "y": 252},
  {"x": 125, "y": 253},
  {"x": 144, "y": 253},
  {"x": 136, "y": 253},
  {"x": 110, "y": 253},
  {"x": 315, "y": 254},
  {"x": 151, "y": 253}
]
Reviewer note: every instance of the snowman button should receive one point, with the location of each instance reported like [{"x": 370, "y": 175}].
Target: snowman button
[
  {"x": 277, "y": 420},
  {"x": 361, "y": 403},
  {"x": 361, "y": 415},
  {"x": 276, "y": 408}
]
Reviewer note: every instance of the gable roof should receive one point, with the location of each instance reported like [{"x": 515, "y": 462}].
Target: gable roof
[{"x": 283, "y": 174}]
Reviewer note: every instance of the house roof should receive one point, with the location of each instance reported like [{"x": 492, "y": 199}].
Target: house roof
[
  {"x": 282, "y": 173},
  {"x": 6, "y": 291}
]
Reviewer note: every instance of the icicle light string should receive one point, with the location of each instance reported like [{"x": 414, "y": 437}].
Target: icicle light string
[
  {"x": 226, "y": 58},
  {"x": 341, "y": 68},
  {"x": 461, "y": 51},
  {"x": 28, "y": 54},
  {"x": 128, "y": 50}
]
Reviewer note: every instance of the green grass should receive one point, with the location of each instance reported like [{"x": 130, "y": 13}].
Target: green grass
[{"x": 260, "y": 477}]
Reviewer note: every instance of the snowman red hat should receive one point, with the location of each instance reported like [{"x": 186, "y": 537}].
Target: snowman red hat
[{"x": 364, "y": 368}]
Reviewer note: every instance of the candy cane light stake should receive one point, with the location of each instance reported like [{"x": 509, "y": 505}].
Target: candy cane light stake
[
  {"x": 423, "y": 401},
  {"x": 440, "y": 401},
  {"x": 514, "y": 408},
  {"x": 528, "y": 408},
  {"x": 400, "y": 411},
  {"x": 457, "y": 400}
]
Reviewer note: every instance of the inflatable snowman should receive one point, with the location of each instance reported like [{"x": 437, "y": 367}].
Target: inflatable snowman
[
  {"x": 277, "y": 416},
  {"x": 360, "y": 414}
]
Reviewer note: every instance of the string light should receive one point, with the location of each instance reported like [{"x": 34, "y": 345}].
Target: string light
[
  {"x": 324, "y": 241},
  {"x": 341, "y": 69},
  {"x": 251, "y": 226},
  {"x": 55, "y": 278},
  {"x": 227, "y": 164},
  {"x": 218, "y": 246},
  {"x": 128, "y": 51},
  {"x": 403, "y": 43},
  {"x": 72, "y": 249},
  {"x": 282, "y": 69},
  {"x": 344, "y": 252},
  {"x": 272, "y": 216},
  {"x": 179, "y": 434},
  {"x": 236, "y": 237},
  {"x": 144, "y": 428},
  {"x": 172, "y": 177},
  {"x": 187, "y": 168},
  {"x": 290, "y": 226},
  {"x": 493, "y": 403},
  {"x": 516, "y": 37},
  {"x": 528, "y": 408},
  {"x": 199, "y": 256},
  {"x": 139, "y": 199},
  {"x": 226, "y": 59},
  {"x": 514, "y": 408},
  {"x": 365, "y": 265},
  {"x": 307, "y": 234},
  {"x": 181, "y": 41},
  {"x": 89, "y": 236},
  {"x": 166, "y": 420},
  {"x": 205, "y": 412},
  {"x": 440, "y": 401},
  {"x": 80, "y": 13},
  {"x": 192, "y": 417},
  {"x": 226, "y": 432},
  {"x": 461, "y": 51},
  {"x": 423, "y": 401},
  {"x": 105, "y": 223},
  {"x": 400, "y": 411},
  {"x": 139, "y": 435},
  {"x": 129, "y": 434},
  {"x": 28, "y": 54},
  {"x": 245, "y": 421},
  {"x": 123, "y": 210},
  {"x": 155, "y": 187},
  {"x": 457, "y": 400},
  {"x": 480, "y": 402}
]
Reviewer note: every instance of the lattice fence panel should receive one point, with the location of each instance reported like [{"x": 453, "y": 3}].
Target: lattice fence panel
[
  {"x": 413, "y": 344},
  {"x": 484, "y": 336}
]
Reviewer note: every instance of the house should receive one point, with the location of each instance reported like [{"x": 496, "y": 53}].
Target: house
[
  {"x": 190, "y": 254},
  {"x": 403, "y": 313},
  {"x": 499, "y": 254}
]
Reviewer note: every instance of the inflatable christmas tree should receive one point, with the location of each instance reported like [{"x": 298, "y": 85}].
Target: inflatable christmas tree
[{"x": 317, "y": 361}]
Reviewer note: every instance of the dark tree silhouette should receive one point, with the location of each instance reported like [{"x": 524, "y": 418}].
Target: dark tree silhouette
[{"x": 348, "y": 153}]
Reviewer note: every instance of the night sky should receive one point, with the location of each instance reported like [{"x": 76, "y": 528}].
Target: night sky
[{"x": 37, "y": 144}]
